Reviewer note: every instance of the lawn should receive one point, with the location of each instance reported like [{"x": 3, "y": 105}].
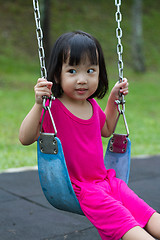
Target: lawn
[
  {"x": 142, "y": 113},
  {"x": 20, "y": 69}
]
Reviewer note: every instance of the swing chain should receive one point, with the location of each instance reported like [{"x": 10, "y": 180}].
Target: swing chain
[
  {"x": 120, "y": 102},
  {"x": 41, "y": 52},
  {"x": 118, "y": 17},
  {"x": 39, "y": 34}
]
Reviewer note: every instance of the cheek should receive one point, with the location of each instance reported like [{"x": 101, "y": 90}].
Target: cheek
[
  {"x": 67, "y": 85},
  {"x": 96, "y": 82},
  {"x": 63, "y": 85}
]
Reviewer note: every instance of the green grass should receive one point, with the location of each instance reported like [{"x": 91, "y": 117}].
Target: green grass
[
  {"x": 20, "y": 69},
  {"x": 142, "y": 113},
  {"x": 16, "y": 101}
]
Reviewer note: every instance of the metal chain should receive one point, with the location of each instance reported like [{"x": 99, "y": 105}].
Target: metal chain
[
  {"x": 41, "y": 52},
  {"x": 121, "y": 101},
  {"x": 39, "y": 34},
  {"x": 118, "y": 16}
]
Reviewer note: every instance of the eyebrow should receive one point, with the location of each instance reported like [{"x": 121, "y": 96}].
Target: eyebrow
[{"x": 87, "y": 65}]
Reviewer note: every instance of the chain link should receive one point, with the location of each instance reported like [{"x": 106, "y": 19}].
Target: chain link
[
  {"x": 118, "y": 16},
  {"x": 121, "y": 102},
  {"x": 39, "y": 34}
]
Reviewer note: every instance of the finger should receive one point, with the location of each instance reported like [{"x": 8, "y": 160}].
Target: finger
[
  {"x": 125, "y": 80},
  {"x": 123, "y": 86},
  {"x": 124, "y": 91},
  {"x": 39, "y": 97},
  {"x": 42, "y": 80},
  {"x": 44, "y": 89},
  {"x": 43, "y": 92},
  {"x": 44, "y": 84}
]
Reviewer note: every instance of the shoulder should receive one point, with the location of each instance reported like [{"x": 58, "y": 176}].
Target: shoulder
[
  {"x": 95, "y": 105},
  {"x": 98, "y": 111},
  {"x": 93, "y": 102},
  {"x": 56, "y": 104},
  {"x": 55, "y": 101}
]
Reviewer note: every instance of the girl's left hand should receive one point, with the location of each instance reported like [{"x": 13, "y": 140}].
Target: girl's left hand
[{"x": 119, "y": 88}]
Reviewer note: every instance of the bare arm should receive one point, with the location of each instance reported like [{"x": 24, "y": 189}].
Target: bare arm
[
  {"x": 111, "y": 108},
  {"x": 29, "y": 130}
]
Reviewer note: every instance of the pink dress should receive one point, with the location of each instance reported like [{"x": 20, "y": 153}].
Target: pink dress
[{"x": 106, "y": 200}]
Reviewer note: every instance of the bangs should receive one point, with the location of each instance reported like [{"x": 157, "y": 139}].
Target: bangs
[{"x": 80, "y": 48}]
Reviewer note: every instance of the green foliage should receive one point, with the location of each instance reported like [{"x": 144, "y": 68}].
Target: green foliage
[{"x": 20, "y": 69}]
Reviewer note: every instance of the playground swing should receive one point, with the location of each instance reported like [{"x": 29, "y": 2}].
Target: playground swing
[{"x": 53, "y": 173}]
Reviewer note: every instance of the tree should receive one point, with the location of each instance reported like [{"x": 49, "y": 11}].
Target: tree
[
  {"x": 137, "y": 36},
  {"x": 45, "y": 6}
]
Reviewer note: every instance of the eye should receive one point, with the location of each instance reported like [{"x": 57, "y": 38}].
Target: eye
[
  {"x": 90, "y": 70},
  {"x": 72, "y": 71}
]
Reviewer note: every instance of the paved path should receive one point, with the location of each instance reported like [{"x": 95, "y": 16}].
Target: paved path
[{"x": 26, "y": 215}]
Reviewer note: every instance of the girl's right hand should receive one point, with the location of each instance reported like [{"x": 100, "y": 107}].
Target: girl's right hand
[{"x": 42, "y": 88}]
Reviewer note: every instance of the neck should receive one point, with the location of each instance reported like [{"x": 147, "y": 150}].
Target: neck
[{"x": 81, "y": 109}]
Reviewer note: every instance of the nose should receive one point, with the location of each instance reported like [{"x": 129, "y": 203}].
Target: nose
[{"x": 82, "y": 79}]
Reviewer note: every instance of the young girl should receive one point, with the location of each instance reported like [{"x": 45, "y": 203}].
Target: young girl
[{"x": 77, "y": 74}]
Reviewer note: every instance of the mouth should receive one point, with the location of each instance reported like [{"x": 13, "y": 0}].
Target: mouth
[{"x": 81, "y": 90}]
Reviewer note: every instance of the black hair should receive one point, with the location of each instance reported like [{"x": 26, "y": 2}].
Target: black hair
[{"x": 74, "y": 45}]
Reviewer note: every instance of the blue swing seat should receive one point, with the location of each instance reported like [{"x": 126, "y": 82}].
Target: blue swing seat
[
  {"x": 55, "y": 181},
  {"x": 54, "y": 177},
  {"x": 120, "y": 162}
]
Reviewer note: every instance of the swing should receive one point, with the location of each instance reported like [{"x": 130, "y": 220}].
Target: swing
[{"x": 53, "y": 173}]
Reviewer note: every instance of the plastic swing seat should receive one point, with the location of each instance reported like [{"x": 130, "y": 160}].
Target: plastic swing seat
[
  {"x": 117, "y": 160},
  {"x": 54, "y": 177},
  {"x": 53, "y": 173}
]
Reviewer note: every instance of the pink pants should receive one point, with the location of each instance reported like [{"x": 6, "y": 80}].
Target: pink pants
[{"x": 112, "y": 207}]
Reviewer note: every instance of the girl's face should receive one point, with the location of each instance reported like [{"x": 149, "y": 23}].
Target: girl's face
[{"x": 79, "y": 82}]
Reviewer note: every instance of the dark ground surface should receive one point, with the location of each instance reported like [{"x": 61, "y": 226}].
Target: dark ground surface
[{"x": 25, "y": 214}]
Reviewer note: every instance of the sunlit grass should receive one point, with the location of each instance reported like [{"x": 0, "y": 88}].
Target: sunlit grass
[
  {"x": 142, "y": 113},
  {"x": 20, "y": 69}
]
